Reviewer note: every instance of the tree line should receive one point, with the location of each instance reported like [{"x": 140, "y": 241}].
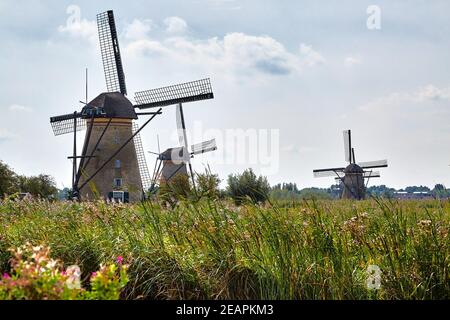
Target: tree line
[
  {"x": 246, "y": 186},
  {"x": 42, "y": 186}
]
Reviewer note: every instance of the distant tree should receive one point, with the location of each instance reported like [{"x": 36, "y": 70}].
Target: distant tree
[
  {"x": 248, "y": 185},
  {"x": 42, "y": 186},
  {"x": 8, "y": 180},
  {"x": 285, "y": 191},
  {"x": 413, "y": 189},
  {"x": 440, "y": 191},
  {"x": 335, "y": 191},
  {"x": 64, "y": 194},
  {"x": 283, "y": 194},
  {"x": 380, "y": 191},
  {"x": 208, "y": 184}
]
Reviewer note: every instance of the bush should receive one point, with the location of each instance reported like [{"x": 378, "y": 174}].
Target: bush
[
  {"x": 208, "y": 185},
  {"x": 178, "y": 188},
  {"x": 248, "y": 186}
]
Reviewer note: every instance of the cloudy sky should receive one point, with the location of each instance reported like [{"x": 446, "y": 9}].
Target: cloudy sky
[{"x": 305, "y": 69}]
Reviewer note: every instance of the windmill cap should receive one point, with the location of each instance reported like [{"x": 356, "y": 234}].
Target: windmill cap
[
  {"x": 113, "y": 105},
  {"x": 354, "y": 168},
  {"x": 176, "y": 154}
]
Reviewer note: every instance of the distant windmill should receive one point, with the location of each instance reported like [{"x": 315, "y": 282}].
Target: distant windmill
[
  {"x": 112, "y": 164},
  {"x": 173, "y": 161},
  {"x": 352, "y": 177}
]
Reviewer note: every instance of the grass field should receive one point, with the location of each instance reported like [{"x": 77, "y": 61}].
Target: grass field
[{"x": 215, "y": 250}]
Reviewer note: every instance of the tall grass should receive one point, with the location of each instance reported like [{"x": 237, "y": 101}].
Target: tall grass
[{"x": 215, "y": 250}]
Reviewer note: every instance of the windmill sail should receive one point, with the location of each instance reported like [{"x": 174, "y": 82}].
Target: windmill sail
[
  {"x": 372, "y": 174},
  {"x": 181, "y": 127},
  {"x": 329, "y": 172},
  {"x": 180, "y": 93},
  {"x": 204, "y": 147},
  {"x": 374, "y": 164},
  {"x": 348, "y": 146},
  {"x": 142, "y": 162},
  {"x": 65, "y": 124},
  {"x": 109, "y": 45}
]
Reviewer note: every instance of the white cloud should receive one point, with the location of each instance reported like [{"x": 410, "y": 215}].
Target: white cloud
[
  {"x": 147, "y": 48},
  {"x": 310, "y": 56},
  {"x": 19, "y": 108},
  {"x": 236, "y": 53},
  {"x": 423, "y": 96},
  {"x": 430, "y": 92},
  {"x": 352, "y": 61},
  {"x": 175, "y": 25},
  {"x": 138, "y": 29}
]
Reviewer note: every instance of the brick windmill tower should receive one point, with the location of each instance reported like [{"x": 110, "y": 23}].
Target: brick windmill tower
[{"x": 112, "y": 164}]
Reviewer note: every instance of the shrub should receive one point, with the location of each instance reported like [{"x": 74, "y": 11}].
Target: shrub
[
  {"x": 248, "y": 186},
  {"x": 208, "y": 185},
  {"x": 178, "y": 188}
]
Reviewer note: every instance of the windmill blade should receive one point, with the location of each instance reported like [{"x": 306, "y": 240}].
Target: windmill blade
[
  {"x": 146, "y": 180},
  {"x": 348, "y": 145},
  {"x": 180, "y": 93},
  {"x": 65, "y": 124},
  {"x": 328, "y": 172},
  {"x": 183, "y": 141},
  {"x": 372, "y": 174},
  {"x": 109, "y": 45},
  {"x": 373, "y": 164},
  {"x": 204, "y": 147},
  {"x": 181, "y": 127}
]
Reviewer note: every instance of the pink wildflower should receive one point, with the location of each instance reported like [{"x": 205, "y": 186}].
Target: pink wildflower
[
  {"x": 119, "y": 259},
  {"x": 6, "y": 276}
]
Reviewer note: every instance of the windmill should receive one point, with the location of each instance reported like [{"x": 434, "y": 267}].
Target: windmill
[
  {"x": 352, "y": 177},
  {"x": 173, "y": 161},
  {"x": 112, "y": 163}
]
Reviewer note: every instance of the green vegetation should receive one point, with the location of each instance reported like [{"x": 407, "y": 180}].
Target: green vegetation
[
  {"x": 247, "y": 186},
  {"x": 213, "y": 249},
  {"x": 42, "y": 186}
]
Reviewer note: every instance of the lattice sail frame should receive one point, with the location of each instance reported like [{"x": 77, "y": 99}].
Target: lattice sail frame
[
  {"x": 109, "y": 46},
  {"x": 146, "y": 179},
  {"x": 171, "y": 95},
  {"x": 65, "y": 124}
]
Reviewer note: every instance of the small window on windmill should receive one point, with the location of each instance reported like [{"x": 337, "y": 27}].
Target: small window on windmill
[
  {"x": 118, "y": 182},
  {"x": 117, "y": 164}
]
